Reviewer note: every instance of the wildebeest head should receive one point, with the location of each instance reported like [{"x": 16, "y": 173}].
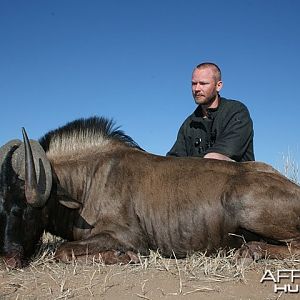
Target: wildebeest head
[
  {"x": 26, "y": 182},
  {"x": 25, "y": 185}
]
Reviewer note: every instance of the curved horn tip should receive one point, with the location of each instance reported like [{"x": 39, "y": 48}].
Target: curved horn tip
[
  {"x": 35, "y": 157},
  {"x": 24, "y": 133}
]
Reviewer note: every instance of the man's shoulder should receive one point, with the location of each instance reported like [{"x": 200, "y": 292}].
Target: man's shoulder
[{"x": 232, "y": 104}]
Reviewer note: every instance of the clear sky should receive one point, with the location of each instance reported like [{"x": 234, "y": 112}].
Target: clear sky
[{"x": 132, "y": 61}]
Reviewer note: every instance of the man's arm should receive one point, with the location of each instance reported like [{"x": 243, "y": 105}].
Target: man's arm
[
  {"x": 234, "y": 140},
  {"x": 179, "y": 148}
]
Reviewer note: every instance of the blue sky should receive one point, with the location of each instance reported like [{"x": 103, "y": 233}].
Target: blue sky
[{"x": 132, "y": 61}]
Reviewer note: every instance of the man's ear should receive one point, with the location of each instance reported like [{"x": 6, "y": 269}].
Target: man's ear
[{"x": 219, "y": 85}]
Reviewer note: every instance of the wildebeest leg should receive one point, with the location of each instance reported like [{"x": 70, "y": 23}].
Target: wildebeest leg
[
  {"x": 269, "y": 206},
  {"x": 102, "y": 247},
  {"x": 108, "y": 257},
  {"x": 259, "y": 250}
]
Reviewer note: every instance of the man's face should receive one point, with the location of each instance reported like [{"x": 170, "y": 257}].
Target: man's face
[{"x": 205, "y": 88}]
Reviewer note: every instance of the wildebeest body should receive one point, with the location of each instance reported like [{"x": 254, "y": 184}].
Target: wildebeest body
[
  {"x": 111, "y": 195},
  {"x": 144, "y": 204}
]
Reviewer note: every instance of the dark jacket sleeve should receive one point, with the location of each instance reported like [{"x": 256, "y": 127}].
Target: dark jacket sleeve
[
  {"x": 180, "y": 146},
  {"x": 237, "y": 134}
]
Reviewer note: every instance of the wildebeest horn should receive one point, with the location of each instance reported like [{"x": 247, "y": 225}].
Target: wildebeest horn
[
  {"x": 4, "y": 155},
  {"x": 32, "y": 165},
  {"x": 36, "y": 192}
]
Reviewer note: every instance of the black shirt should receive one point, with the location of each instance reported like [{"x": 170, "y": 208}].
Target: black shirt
[{"x": 227, "y": 130}]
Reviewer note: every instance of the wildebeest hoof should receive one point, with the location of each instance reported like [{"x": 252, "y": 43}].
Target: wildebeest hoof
[
  {"x": 117, "y": 257},
  {"x": 13, "y": 262},
  {"x": 252, "y": 250},
  {"x": 64, "y": 255},
  {"x": 133, "y": 257}
]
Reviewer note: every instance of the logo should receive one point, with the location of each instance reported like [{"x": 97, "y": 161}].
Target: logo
[{"x": 285, "y": 280}]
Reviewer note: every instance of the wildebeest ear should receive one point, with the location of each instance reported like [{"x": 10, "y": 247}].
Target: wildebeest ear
[
  {"x": 70, "y": 203},
  {"x": 65, "y": 199}
]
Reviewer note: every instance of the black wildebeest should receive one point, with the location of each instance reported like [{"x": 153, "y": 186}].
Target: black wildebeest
[{"x": 92, "y": 185}]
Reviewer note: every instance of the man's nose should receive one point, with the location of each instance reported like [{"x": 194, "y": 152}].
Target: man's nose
[{"x": 197, "y": 86}]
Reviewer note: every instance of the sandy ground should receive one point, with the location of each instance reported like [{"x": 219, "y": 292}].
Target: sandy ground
[{"x": 198, "y": 278}]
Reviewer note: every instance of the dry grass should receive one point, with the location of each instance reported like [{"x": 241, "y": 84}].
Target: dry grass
[
  {"x": 290, "y": 167},
  {"x": 47, "y": 279}
]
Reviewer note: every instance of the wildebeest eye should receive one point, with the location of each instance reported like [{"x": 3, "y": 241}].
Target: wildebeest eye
[{"x": 17, "y": 212}]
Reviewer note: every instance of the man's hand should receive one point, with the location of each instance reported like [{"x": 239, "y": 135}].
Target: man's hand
[{"x": 215, "y": 155}]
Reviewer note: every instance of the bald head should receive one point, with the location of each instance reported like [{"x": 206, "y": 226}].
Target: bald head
[{"x": 213, "y": 67}]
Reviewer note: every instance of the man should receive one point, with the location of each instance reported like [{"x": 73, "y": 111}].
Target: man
[{"x": 219, "y": 128}]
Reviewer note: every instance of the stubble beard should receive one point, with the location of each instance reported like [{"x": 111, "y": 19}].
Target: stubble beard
[{"x": 205, "y": 101}]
